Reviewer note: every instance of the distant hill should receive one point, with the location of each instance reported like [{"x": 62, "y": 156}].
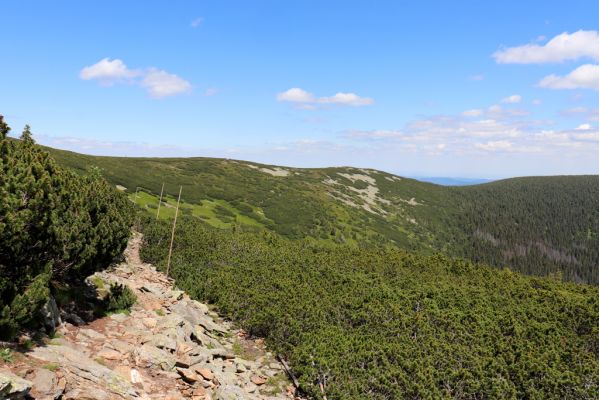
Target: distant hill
[
  {"x": 445, "y": 181},
  {"x": 538, "y": 225}
]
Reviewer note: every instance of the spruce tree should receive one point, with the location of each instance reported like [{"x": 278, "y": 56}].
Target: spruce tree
[
  {"x": 27, "y": 136},
  {"x": 4, "y": 128}
]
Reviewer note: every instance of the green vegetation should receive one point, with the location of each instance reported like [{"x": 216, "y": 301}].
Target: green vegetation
[
  {"x": 51, "y": 367},
  {"x": 120, "y": 298},
  {"x": 226, "y": 193},
  {"x": 6, "y": 356},
  {"x": 382, "y": 323},
  {"x": 537, "y": 225},
  {"x": 350, "y": 274},
  {"x": 56, "y": 228}
]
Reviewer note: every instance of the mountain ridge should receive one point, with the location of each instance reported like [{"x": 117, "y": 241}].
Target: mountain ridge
[{"x": 363, "y": 206}]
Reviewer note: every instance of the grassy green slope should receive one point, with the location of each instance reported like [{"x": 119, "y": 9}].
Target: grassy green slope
[
  {"x": 537, "y": 225},
  {"x": 329, "y": 205}
]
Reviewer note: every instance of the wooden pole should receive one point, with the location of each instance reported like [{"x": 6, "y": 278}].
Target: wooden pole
[
  {"x": 288, "y": 370},
  {"x": 137, "y": 223},
  {"x": 170, "y": 250},
  {"x": 160, "y": 201}
]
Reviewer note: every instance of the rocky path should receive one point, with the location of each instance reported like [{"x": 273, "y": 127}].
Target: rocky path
[{"x": 168, "y": 347}]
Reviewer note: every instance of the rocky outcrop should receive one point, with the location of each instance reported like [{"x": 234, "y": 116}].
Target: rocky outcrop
[
  {"x": 51, "y": 315},
  {"x": 168, "y": 347},
  {"x": 13, "y": 386}
]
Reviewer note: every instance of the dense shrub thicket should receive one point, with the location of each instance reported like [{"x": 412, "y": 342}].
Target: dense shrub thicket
[
  {"x": 55, "y": 226},
  {"x": 378, "y": 323}
]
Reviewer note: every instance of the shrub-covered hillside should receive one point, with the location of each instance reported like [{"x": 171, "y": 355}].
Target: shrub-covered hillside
[
  {"x": 383, "y": 323},
  {"x": 56, "y": 227},
  {"x": 536, "y": 225},
  {"x": 330, "y": 205}
]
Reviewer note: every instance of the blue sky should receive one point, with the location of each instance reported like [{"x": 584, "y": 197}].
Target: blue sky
[{"x": 428, "y": 88}]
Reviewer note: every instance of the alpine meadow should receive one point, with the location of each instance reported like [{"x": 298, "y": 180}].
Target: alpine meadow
[{"x": 226, "y": 200}]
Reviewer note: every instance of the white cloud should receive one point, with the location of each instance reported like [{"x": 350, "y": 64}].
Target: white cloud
[
  {"x": 473, "y": 113},
  {"x": 477, "y": 77},
  {"x": 108, "y": 71},
  {"x": 513, "y": 99},
  {"x": 493, "y": 130},
  {"x": 562, "y": 47},
  {"x": 584, "y": 77},
  {"x": 307, "y": 100},
  {"x": 348, "y": 99},
  {"x": 583, "y": 127},
  {"x": 197, "y": 22},
  {"x": 296, "y": 95},
  {"x": 162, "y": 84},
  {"x": 157, "y": 82},
  {"x": 536, "y": 102}
]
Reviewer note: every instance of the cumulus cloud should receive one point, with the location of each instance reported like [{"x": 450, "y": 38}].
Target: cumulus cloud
[
  {"x": 158, "y": 83},
  {"x": 583, "y": 127},
  {"x": 563, "y": 47},
  {"x": 162, "y": 84},
  {"x": 296, "y": 95},
  {"x": 305, "y": 99},
  {"x": 108, "y": 71},
  {"x": 584, "y": 77},
  {"x": 513, "y": 99},
  {"x": 348, "y": 99}
]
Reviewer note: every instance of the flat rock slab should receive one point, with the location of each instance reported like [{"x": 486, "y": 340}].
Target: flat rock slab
[{"x": 82, "y": 368}]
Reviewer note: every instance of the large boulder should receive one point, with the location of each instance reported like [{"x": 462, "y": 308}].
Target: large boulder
[
  {"x": 51, "y": 315},
  {"x": 13, "y": 386}
]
